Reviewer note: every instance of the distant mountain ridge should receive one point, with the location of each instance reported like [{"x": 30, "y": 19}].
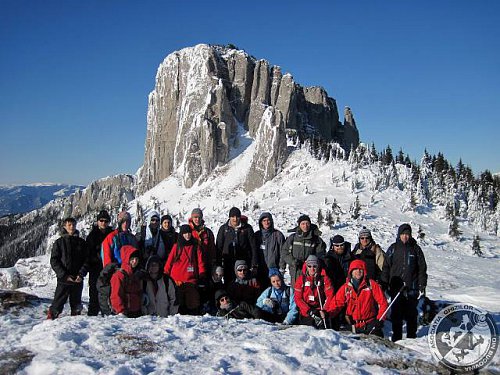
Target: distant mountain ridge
[{"x": 15, "y": 199}]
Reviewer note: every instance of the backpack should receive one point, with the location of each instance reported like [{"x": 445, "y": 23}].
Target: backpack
[{"x": 103, "y": 286}]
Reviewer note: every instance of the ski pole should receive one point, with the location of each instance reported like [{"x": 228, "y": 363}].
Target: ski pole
[
  {"x": 388, "y": 307},
  {"x": 320, "y": 303}
]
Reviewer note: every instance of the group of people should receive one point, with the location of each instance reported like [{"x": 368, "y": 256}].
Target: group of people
[{"x": 240, "y": 273}]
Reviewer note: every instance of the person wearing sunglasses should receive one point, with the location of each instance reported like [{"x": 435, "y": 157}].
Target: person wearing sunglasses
[
  {"x": 313, "y": 289},
  {"x": 244, "y": 287},
  {"x": 227, "y": 308},
  {"x": 337, "y": 260},
  {"x": 94, "y": 241},
  {"x": 370, "y": 253}
]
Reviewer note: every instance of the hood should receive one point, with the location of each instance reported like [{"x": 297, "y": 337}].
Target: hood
[
  {"x": 357, "y": 263},
  {"x": 126, "y": 253},
  {"x": 151, "y": 214},
  {"x": 404, "y": 227},
  {"x": 218, "y": 295},
  {"x": 265, "y": 215}
]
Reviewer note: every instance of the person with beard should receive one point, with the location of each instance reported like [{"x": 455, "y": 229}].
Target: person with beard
[
  {"x": 94, "y": 241},
  {"x": 149, "y": 239},
  {"x": 69, "y": 260},
  {"x": 226, "y": 308},
  {"x": 186, "y": 266},
  {"x": 371, "y": 253},
  {"x": 121, "y": 236},
  {"x": 235, "y": 241},
  {"x": 313, "y": 289},
  {"x": 168, "y": 235},
  {"x": 337, "y": 260},
  {"x": 362, "y": 299},
  {"x": 160, "y": 291},
  {"x": 306, "y": 240},
  {"x": 244, "y": 287},
  {"x": 268, "y": 241},
  {"x": 204, "y": 236},
  {"x": 405, "y": 270}
]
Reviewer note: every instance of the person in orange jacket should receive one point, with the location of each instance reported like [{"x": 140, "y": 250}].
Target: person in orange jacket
[
  {"x": 186, "y": 265},
  {"x": 364, "y": 300},
  {"x": 126, "y": 284},
  {"x": 313, "y": 289}
]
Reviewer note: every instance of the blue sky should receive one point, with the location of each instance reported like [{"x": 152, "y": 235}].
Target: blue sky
[{"x": 75, "y": 75}]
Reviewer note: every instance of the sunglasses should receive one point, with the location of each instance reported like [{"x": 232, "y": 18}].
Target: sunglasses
[
  {"x": 241, "y": 269},
  {"x": 338, "y": 244},
  {"x": 153, "y": 220},
  {"x": 103, "y": 221},
  {"x": 222, "y": 299},
  {"x": 312, "y": 266},
  {"x": 364, "y": 238}
]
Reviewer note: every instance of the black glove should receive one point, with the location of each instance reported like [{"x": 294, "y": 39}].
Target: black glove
[{"x": 318, "y": 321}]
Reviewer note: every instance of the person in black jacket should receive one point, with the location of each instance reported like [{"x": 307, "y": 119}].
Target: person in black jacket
[
  {"x": 369, "y": 252},
  {"x": 405, "y": 270},
  {"x": 168, "y": 234},
  {"x": 337, "y": 261},
  {"x": 226, "y": 308},
  {"x": 69, "y": 260},
  {"x": 94, "y": 240},
  {"x": 235, "y": 241}
]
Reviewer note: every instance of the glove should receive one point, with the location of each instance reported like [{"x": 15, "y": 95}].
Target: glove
[
  {"x": 318, "y": 322},
  {"x": 268, "y": 302}
]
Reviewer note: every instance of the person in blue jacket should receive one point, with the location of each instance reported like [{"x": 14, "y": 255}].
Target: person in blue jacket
[{"x": 279, "y": 300}]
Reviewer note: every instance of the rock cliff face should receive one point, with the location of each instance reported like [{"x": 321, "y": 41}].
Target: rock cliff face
[{"x": 204, "y": 93}]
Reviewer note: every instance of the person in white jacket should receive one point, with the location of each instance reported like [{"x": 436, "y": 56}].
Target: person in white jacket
[{"x": 160, "y": 291}]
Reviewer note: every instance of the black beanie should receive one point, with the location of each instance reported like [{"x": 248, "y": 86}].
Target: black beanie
[
  {"x": 103, "y": 215},
  {"x": 184, "y": 229},
  {"x": 166, "y": 217},
  {"x": 235, "y": 211},
  {"x": 303, "y": 218}
]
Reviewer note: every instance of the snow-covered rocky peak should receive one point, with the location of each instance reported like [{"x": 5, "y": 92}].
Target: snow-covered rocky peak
[{"x": 205, "y": 95}]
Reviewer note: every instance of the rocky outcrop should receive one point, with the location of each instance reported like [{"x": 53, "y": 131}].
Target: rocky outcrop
[
  {"x": 351, "y": 134},
  {"x": 202, "y": 94}
]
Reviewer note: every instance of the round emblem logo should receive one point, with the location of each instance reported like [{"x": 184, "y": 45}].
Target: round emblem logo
[{"x": 463, "y": 337}]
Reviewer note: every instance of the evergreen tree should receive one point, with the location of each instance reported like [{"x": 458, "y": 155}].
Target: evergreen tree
[
  {"x": 453, "y": 230},
  {"x": 355, "y": 208},
  {"x": 329, "y": 218},
  {"x": 320, "y": 217}
]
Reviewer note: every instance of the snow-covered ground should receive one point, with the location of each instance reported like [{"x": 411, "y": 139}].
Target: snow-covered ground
[{"x": 185, "y": 344}]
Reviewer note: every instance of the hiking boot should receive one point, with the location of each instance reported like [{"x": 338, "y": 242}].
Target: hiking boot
[{"x": 75, "y": 312}]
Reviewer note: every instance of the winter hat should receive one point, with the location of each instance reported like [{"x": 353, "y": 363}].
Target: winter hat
[
  {"x": 123, "y": 216},
  {"x": 198, "y": 212},
  {"x": 404, "y": 228},
  {"x": 153, "y": 214},
  {"x": 275, "y": 272},
  {"x": 235, "y": 211},
  {"x": 365, "y": 232},
  {"x": 152, "y": 260},
  {"x": 166, "y": 217},
  {"x": 219, "y": 294},
  {"x": 103, "y": 214},
  {"x": 303, "y": 218},
  {"x": 184, "y": 229},
  {"x": 239, "y": 264},
  {"x": 337, "y": 240},
  {"x": 312, "y": 260}
]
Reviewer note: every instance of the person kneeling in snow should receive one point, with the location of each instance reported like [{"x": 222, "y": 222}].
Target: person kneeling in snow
[
  {"x": 160, "y": 291},
  {"x": 278, "y": 299},
  {"x": 364, "y": 299},
  {"x": 244, "y": 288},
  {"x": 226, "y": 308},
  {"x": 126, "y": 284}
]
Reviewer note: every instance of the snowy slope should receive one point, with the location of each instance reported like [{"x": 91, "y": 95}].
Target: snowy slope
[{"x": 182, "y": 344}]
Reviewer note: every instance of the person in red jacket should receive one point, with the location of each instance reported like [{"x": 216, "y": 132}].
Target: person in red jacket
[
  {"x": 205, "y": 238},
  {"x": 313, "y": 289},
  {"x": 126, "y": 285},
  {"x": 364, "y": 300},
  {"x": 186, "y": 265},
  {"x": 110, "y": 248}
]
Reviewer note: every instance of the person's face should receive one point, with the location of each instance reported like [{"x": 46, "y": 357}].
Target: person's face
[
  {"x": 225, "y": 302},
  {"x": 165, "y": 224},
  {"x": 154, "y": 222},
  {"x": 187, "y": 236},
  {"x": 154, "y": 269},
  {"x": 196, "y": 219},
  {"x": 364, "y": 241},
  {"x": 276, "y": 281},
  {"x": 358, "y": 273},
  {"x": 70, "y": 227},
  {"x": 305, "y": 226},
  {"x": 102, "y": 223},
  {"x": 134, "y": 262},
  {"x": 339, "y": 248},
  {"x": 266, "y": 223},
  {"x": 125, "y": 226},
  {"x": 404, "y": 237},
  {"x": 311, "y": 269},
  {"x": 234, "y": 221},
  {"x": 241, "y": 272}
]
